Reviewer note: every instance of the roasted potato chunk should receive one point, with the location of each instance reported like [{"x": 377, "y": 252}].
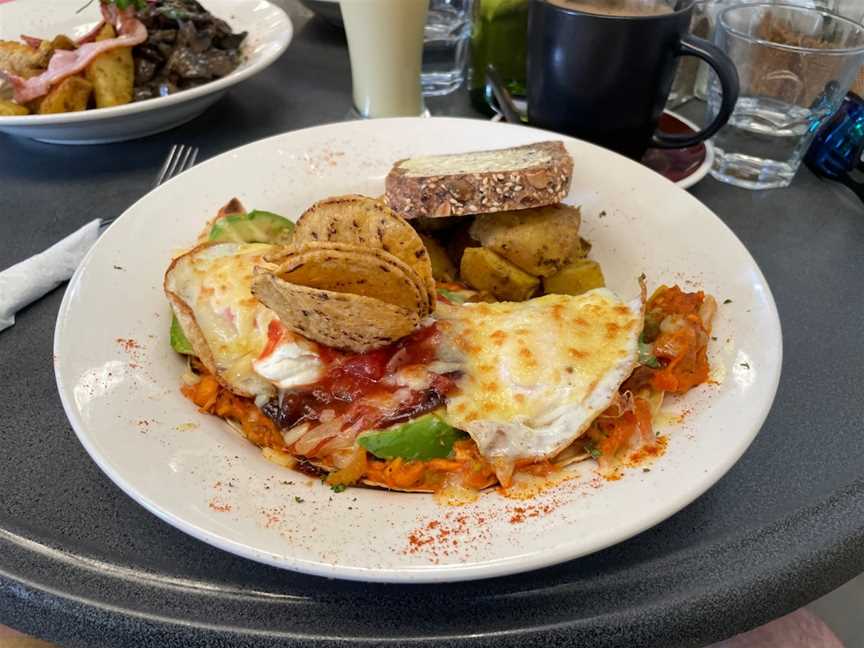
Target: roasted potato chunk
[
  {"x": 457, "y": 240},
  {"x": 483, "y": 269},
  {"x": 576, "y": 278},
  {"x": 540, "y": 240},
  {"x": 22, "y": 59},
  {"x": 584, "y": 249},
  {"x": 63, "y": 42},
  {"x": 70, "y": 95},
  {"x": 442, "y": 267},
  {"x": 10, "y": 108},
  {"x": 112, "y": 73}
]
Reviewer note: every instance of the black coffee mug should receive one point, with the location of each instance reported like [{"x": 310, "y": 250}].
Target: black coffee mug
[{"x": 605, "y": 77}]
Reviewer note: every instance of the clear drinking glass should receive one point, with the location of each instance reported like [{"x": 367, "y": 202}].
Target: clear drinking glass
[
  {"x": 795, "y": 65},
  {"x": 684, "y": 85},
  {"x": 445, "y": 47},
  {"x": 385, "y": 45}
]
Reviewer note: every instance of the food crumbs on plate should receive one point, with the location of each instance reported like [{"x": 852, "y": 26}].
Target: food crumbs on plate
[
  {"x": 298, "y": 499},
  {"x": 128, "y": 344},
  {"x": 221, "y": 508},
  {"x": 183, "y": 427},
  {"x": 117, "y": 267},
  {"x": 648, "y": 452}
]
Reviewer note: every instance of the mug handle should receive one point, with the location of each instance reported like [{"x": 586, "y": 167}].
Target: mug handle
[{"x": 728, "y": 75}]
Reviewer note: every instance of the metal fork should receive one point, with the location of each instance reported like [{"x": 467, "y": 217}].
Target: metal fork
[{"x": 180, "y": 158}]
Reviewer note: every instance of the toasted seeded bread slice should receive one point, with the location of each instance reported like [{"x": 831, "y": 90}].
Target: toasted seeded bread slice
[{"x": 480, "y": 182}]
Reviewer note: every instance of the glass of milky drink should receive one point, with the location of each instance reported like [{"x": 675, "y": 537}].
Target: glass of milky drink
[{"x": 385, "y": 44}]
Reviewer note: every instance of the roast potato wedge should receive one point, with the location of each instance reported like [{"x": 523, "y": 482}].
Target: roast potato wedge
[
  {"x": 483, "y": 269},
  {"x": 576, "y": 278},
  {"x": 62, "y": 42},
  {"x": 10, "y": 108},
  {"x": 70, "y": 95},
  {"x": 540, "y": 241},
  {"x": 112, "y": 73},
  {"x": 443, "y": 268}
]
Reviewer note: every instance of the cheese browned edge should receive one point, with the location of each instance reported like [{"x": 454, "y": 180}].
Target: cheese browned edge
[{"x": 499, "y": 183}]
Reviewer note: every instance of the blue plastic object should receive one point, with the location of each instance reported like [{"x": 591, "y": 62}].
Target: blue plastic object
[{"x": 837, "y": 148}]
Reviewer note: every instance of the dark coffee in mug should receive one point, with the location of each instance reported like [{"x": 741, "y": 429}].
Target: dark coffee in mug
[
  {"x": 623, "y": 8},
  {"x": 601, "y": 70}
]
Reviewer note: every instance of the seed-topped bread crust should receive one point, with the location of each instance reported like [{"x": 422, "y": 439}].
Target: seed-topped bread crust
[{"x": 477, "y": 183}]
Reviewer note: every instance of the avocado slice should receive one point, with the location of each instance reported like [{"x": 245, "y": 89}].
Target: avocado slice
[
  {"x": 179, "y": 341},
  {"x": 423, "y": 438},
  {"x": 255, "y": 227}
]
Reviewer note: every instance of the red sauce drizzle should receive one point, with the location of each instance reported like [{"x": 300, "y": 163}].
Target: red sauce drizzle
[{"x": 350, "y": 378}]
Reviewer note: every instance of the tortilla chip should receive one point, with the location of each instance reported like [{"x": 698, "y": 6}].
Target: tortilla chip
[
  {"x": 356, "y": 270},
  {"x": 367, "y": 222},
  {"x": 334, "y": 319},
  {"x": 574, "y": 453},
  {"x": 373, "y": 484}
]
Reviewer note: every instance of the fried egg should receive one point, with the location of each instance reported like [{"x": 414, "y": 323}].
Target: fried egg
[
  {"x": 239, "y": 340},
  {"x": 535, "y": 374}
]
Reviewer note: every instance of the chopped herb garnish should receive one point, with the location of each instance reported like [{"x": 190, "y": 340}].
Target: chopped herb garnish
[
  {"x": 338, "y": 488},
  {"x": 646, "y": 353},
  {"x": 592, "y": 449},
  {"x": 746, "y": 365},
  {"x": 727, "y": 301},
  {"x": 298, "y": 499}
]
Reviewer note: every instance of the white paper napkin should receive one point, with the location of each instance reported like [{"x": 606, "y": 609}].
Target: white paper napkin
[{"x": 29, "y": 280}]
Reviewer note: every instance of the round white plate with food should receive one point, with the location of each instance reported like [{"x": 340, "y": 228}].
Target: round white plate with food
[
  {"x": 269, "y": 32},
  {"x": 120, "y": 380}
]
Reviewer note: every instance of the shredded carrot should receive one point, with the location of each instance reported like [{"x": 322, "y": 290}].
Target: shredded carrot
[
  {"x": 465, "y": 462},
  {"x": 213, "y": 398},
  {"x": 352, "y": 472},
  {"x": 683, "y": 348}
]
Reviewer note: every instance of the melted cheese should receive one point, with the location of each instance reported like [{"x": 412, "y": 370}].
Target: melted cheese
[
  {"x": 215, "y": 282},
  {"x": 537, "y": 373}
]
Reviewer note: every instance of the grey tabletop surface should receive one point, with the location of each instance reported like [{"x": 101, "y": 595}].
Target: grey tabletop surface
[{"x": 83, "y": 565}]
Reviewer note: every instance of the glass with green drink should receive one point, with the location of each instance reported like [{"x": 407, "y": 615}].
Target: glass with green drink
[{"x": 498, "y": 37}]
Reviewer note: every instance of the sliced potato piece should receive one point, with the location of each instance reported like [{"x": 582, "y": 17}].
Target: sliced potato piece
[
  {"x": 63, "y": 42},
  {"x": 580, "y": 276},
  {"x": 442, "y": 267},
  {"x": 540, "y": 241},
  {"x": 458, "y": 240},
  {"x": 70, "y": 95},
  {"x": 484, "y": 270},
  {"x": 112, "y": 73},
  {"x": 10, "y": 108},
  {"x": 584, "y": 249}
]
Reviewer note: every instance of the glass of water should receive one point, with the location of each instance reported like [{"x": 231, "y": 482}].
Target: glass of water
[
  {"x": 795, "y": 65},
  {"x": 445, "y": 46}
]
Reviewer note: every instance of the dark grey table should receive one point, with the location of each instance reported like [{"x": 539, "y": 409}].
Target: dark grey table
[{"x": 83, "y": 565}]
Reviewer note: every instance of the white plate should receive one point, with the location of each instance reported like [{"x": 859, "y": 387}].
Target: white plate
[
  {"x": 269, "y": 29},
  {"x": 119, "y": 379}
]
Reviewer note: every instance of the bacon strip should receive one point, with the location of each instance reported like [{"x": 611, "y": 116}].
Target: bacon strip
[
  {"x": 65, "y": 63},
  {"x": 35, "y": 41}
]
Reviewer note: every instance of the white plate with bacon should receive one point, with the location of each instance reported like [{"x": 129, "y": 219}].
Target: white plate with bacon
[
  {"x": 129, "y": 395},
  {"x": 27, "y": 77}
]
